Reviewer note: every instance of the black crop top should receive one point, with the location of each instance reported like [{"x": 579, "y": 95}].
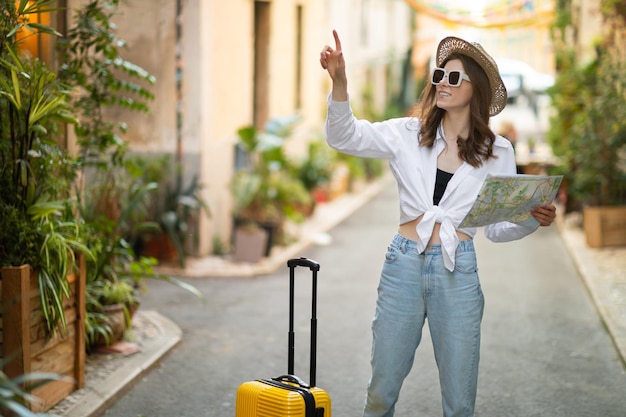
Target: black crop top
[{"x": 441, "y": 182}]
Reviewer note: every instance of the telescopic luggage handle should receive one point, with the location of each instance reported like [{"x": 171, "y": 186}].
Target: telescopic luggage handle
[{"x": 314, "y": 267}]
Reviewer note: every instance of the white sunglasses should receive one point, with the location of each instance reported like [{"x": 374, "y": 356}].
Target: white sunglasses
[{"x": 455, "y": 77}]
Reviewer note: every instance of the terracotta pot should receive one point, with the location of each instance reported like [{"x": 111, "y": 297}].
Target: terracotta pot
[
  {"x": 160, "y": 247},
  {"x": 117, "y": 320}
]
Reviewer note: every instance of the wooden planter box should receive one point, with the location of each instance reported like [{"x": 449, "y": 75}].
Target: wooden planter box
[
  {"x": 23, "y": 341},
  {"x": 605, "y": 226}
]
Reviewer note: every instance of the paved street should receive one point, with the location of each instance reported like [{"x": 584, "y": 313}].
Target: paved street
[{"x": 545, "y": 351}]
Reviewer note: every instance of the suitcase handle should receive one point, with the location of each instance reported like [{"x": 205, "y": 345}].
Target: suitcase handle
[
  {"x": 292, "y": 379},
  {"x": 314, "y": 267}
]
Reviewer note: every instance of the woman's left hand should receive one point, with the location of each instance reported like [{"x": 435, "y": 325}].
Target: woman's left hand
[{"x": 545, "y": 214}]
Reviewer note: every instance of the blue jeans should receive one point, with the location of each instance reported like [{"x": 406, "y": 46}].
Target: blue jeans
[{"x": 415, "y": 287}]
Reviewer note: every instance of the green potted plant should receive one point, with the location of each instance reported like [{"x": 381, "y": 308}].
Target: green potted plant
[
  {"x": 316, "y": 170},
  {"x": 110, "y": 239},
  {"x": 588, "y": 133},
  {"x": 112, "y": 299},
  {"x": 174, "y": 207},
  {"x": 265, "y": 191}
]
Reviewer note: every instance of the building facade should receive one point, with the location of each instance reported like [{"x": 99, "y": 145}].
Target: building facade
[{"x": 222, "y": 65}]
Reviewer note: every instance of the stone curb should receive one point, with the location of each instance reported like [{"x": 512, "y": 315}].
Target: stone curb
[{"x": 102, "y": 391}]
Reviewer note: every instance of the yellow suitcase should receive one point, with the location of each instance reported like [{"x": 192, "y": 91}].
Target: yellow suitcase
[{"x": 288, "y": 395}]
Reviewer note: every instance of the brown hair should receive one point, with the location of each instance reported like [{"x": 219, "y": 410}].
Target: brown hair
[{"x": 478, "y": 146}]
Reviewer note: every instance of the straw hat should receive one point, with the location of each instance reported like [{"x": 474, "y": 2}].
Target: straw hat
[{"x": 451, "y": 45}]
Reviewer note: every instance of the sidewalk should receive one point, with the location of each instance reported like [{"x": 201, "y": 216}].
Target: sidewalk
[
  {"x": 604, "y": 273},
  {"x": 110, "y": 376}
]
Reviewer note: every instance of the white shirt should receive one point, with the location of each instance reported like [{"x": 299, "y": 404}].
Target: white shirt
[{"x": 415, "y": 167}]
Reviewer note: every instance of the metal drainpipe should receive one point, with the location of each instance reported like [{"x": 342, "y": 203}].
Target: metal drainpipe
[{"x": 179, "y": 94}]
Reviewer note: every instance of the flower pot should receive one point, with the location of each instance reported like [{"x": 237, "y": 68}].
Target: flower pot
[
  {"x": 273, "y": 230},
  {"x": 117, "y": 315},
  {"x": 160, "y": 246},
  {"x": 250, "y": 244}
]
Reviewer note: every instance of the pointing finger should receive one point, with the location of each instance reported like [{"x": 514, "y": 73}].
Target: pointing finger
[{"x": 337, "y": 41}]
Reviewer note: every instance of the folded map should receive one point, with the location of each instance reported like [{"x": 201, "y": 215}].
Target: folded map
[{"x": 510, "y": 198}]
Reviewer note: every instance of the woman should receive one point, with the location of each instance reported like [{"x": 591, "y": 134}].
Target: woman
[{"x": 440, "y": 159}]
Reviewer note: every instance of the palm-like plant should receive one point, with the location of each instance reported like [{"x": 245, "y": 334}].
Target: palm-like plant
[{"x": 35, "y": 172}]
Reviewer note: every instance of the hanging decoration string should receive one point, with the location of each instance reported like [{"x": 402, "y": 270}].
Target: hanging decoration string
[{"x": 506, "y": 13}]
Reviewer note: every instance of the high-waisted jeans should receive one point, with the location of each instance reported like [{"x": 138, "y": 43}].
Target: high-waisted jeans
[{"x": 415, "y": 287}]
